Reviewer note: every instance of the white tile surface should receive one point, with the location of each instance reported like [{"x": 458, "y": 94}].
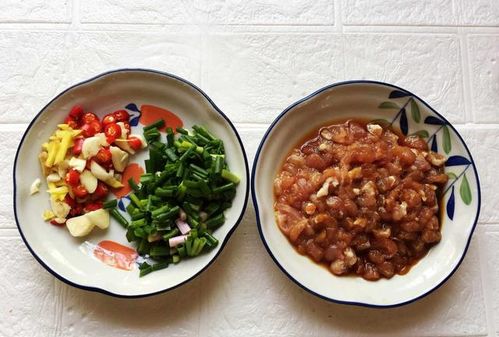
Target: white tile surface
[
  {"x": 94, "y": 315},
  {"x": 281, "y": 74},
  {"x": 429, "y": 66},
  {"x": 29, "y": 302},
  {"x": 484, "y": 73},
  {"x": 483, "y": 142},
  {"x": 253, "y": 77},
  {"x": 10, "y": 136},
  {"x": 412, "y": 12},
  {"x": 421, "y": 12},
  {"x": 35, "y": 11},
  {"x": 254, "y": 58},
  {"x": 42, "y": 64},
  {"x": 478, "y": 12},
  {"x": 490, "y": 242},
  {"x": 269, "y": 12}
]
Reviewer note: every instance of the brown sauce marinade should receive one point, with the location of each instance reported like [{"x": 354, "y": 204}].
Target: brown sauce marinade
[{"x": 361, "y": 199}]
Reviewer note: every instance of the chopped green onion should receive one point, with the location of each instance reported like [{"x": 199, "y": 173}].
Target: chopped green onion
[
  {"x": 210, "y": 239},
  {"x": 157, "y": 124},
  {"x": 230, "y": 176},
  {"x": 159, "y": 251},
  {"x": 188, "y": 171},
  {"x": 136, "y": 200},
  {"x": 118, "y": 217},
  {"x": 174, "y": 232},
  {"x": 144, "y": 271},
  {"x": 216, "y": 221},
  {"x": 110, "y": 204},
  {"x": 159, "y": 266},
  {"x": 133, "y": 185}
]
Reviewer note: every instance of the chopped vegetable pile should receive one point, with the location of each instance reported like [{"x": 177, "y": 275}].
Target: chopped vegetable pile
[
  {"x": 81, "y": 160},
  {"x": 181, "y": 198}
]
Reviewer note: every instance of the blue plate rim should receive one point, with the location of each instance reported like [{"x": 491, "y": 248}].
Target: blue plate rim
[
  {"x": 227, "y": 237},
  {"x": 257, "y": 213}
]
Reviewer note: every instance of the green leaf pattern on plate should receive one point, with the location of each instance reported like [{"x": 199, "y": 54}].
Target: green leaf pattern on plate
[
  {"x": 464, "y": 190},
  {"x": 388, "y": 105},
  {"x": 421, "y": 133},
  {"x": 416, "y": 115},
  {"x": 446, "y": 139}
]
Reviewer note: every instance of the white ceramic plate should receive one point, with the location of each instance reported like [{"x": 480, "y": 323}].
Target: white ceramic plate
[
  {"x": 370, "y": 100},
  {"x": 53, "y": 246}
]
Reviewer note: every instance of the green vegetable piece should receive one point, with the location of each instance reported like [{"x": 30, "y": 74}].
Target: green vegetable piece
[
  {"x": 182, "y": 131},
  {"x": 155, "y": 125},
  {"x": 144, "y": 271},
  {"x": 139, "y": 222},
  {"x": 160, "y": 265},
  {"x": 133, "y": 185},
  {"x": 224, "y": 188},
  {"x": 170, "y": 153},
  {"x": 215, "y": 221},
  {"x": 136, "y": 201},
  {"x": 174, "y": 232},
  {"x": 210, "y": 240},
  {"x": 181, "y": 250},
  {"x": 227, "y": 175},
  {"x": 159, "y": 251},
  {"x": 143, "y": 247},
  {"x": 110, "y": 204},
  {"x": 118, "y": 217}
]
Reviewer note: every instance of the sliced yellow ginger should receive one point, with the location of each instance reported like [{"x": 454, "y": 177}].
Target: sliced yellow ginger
[
  {"x": 66, "y": 139},
  {"x": 57, "y": 193},
  {"x": 114, "y": 183},
  {"x": 52, "y": 152},
  {"x": 48, "y": 215},
  {"x": 42, "y": 157},
  {"x": 58, "y": 190},
  {"x": 63, "y": 126}
]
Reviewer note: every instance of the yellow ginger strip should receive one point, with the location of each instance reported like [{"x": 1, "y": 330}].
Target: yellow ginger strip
[
  {"x": 52, "y": 151},
  {"x": 63, "y": 148},
  {"x": 58, "y": 190},
  {"x": 48, "y": 215}
]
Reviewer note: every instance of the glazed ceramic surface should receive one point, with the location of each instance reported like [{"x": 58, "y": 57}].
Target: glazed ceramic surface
[
  {"x": 65, "y": 256},
  {"x": 393, "y": 106}
]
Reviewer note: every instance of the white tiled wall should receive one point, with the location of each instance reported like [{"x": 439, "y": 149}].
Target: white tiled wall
[{"x": 253, "y": 58}]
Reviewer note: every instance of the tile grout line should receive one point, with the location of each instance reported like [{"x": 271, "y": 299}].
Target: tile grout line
[
  {"x": 465, "y": 76},
  {"x": 59, "y": 299},
  {"x": 299, "y": 28},
  {"x": 59, "y": 288},
  {"x": 75, "y": 17},
  {"x": 204, "y": 43},
  {"x": 489, "y": 313},
  {"x": 338, "y": 19},
  {"x": 469, "y": 90}
]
